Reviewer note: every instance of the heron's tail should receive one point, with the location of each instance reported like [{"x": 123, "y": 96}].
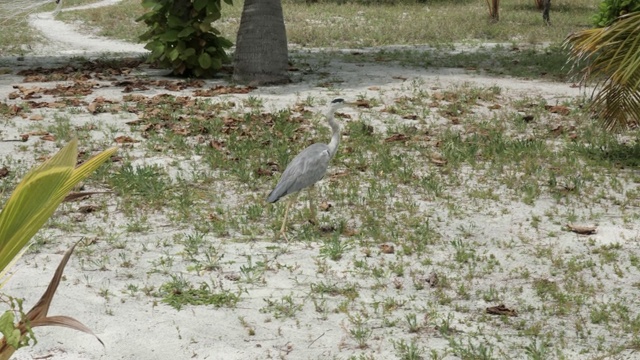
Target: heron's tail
[{"x": 273, "y": 196}]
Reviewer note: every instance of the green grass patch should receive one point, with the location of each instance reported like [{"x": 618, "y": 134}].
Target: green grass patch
[{"x": 352, "y": 25}]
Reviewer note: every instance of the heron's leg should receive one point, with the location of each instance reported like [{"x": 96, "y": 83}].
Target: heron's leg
[
  {"x": 312, "y": 206},
  {"x": 283, "y": 228}
]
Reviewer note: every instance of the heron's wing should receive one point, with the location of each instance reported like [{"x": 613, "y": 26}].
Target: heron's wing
[{"x": 304, "y": 170}]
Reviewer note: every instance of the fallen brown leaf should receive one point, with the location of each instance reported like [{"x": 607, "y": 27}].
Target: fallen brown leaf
[
  {"x": 74, "y": 196},
  {"x": 582, "y": 229},
  {"x": 527, "y": 118},
  {"x": 363, "y": 103},
  {"x": 557, "y": 130},
  {"x": 558, "y": 109},
  {"x": 325, "y": 206},
  {"x": 501, "y": 310},
  {"x": 438, "y": 160},
  {"x": 87, "y": 209},
  {"x": 327, "y": 228},
  {"x": 125, "y": 140},
  {"x": 48, "y": 137},
  {"x": 220, "y": 89},
  {"x": 339, "y": 175},
  {"x": 387, "y": 249},
  {"x": 4, "y": 172},
  {"x": 39, "y": 313},
  {"x": 216, "y": 145},
  {"x": 349, "y": 231},
  {"x": 396, "y": 137},
  {"x": 433, "y": 280},
  {"x": 264, "y": 172}
]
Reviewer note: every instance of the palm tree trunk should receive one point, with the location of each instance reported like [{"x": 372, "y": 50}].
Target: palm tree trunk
[{"x": 261, "y": 56}]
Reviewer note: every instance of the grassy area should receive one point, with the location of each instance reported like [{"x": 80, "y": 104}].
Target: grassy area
[
  {"x": 356, "y": 25},
  {"x": 442, "y": 201},
  {"x": 548, "y": 63}
]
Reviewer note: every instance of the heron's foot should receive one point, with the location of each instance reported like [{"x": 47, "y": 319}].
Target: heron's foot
[{"x": 282, "y": 233}]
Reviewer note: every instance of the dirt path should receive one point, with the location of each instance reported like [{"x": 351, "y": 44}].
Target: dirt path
[{"x": 69, "y": 39}]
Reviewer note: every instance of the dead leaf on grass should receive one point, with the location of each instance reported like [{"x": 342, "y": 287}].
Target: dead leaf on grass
[
  {"x": 527, "y": 118},
  {"x": 82, "y": 195},
  {"x": 558, "y": 109},
  {"x": 125, "y": 140},
  {"x": 387, "y": 249},
  {"x": 97, "y": 105},
  {"x": 4, "y": 172},
  {"x": 88, "y": 209},
  {"x": 438, "y": 160},
  {"x": 327, "y": 228},
  {"x": 264, "y": 172},
  {"x": 232, "y": 277},
  {"x": 79, "y": 88},
  {"x": 48, "y": 137},
  {"x": 494, "y": 106},
  {"x": 325, "y": 206},
  {"x": 216, "y": 145},
  {"x": 583, "y": 229},
  {"x": 349, "y": 231},
  {"x": 220, "y": 89},
  {"x": 396, "y": 137},
  {"x": 338, "y": 175},
  {"x": 557, "y": 130},
  {"x": 363, "y": 103},
  {"x": 433, "y": 280},
  {"x": 501, "y": 310}
]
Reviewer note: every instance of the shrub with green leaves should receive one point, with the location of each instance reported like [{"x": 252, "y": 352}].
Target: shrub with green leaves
[
  {"x": 181, "y": 37},
  {"x": 610, "y": 10}
]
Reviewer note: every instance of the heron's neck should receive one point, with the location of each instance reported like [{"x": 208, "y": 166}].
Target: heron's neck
[{"x": 335, "y": 133}]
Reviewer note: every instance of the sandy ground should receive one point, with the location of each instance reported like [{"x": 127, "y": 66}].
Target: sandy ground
[{"x": 139, "y": 328}]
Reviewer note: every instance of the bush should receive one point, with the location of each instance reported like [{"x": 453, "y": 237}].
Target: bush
[
  {"x": 610, "y": 10},
  {"x": 181, "y": 37}
]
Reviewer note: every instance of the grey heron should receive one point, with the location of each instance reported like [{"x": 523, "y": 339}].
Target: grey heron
[{"x": 309, "y": 166}]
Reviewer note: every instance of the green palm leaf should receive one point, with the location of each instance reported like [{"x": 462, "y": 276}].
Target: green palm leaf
[
  {"x": 611, "y": 57},
  {"x": 37, "y": 196}
]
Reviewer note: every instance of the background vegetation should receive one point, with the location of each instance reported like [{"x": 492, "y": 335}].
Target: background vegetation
[{"x": 354, "y": 25}]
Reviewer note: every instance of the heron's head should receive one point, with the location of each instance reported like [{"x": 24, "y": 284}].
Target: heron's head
[{"x": 339, "y": 103}]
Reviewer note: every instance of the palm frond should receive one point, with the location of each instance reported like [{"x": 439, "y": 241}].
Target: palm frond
[{"x": 610, "y": 56}]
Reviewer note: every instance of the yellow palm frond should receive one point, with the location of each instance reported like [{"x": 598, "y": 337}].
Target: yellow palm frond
[{"x": 37, "y": 196}]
